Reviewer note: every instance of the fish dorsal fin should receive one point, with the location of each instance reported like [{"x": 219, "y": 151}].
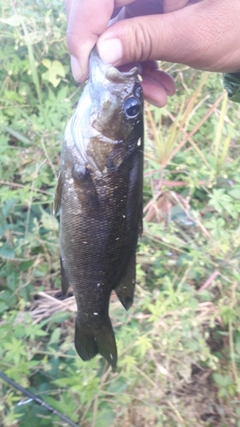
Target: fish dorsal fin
[{"x": 57, "y": 195}]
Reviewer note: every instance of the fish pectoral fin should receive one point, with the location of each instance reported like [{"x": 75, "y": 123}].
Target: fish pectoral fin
[
  {"x": 57, "y": 195},
  {"x": 126, "y": 287},
  {"x": 64, "y": 278},
  {"x": 90, "y": 341},
  {"x": 86, "y": 191}
]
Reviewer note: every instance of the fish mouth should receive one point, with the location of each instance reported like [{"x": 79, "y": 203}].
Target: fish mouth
[{"x": 108, "y": 71}]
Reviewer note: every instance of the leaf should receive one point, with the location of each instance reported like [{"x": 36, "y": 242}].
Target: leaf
[
  {"x": 3, "y": 306},
  {"x": 237, "y": 346},
  {"x": 64, "y": 406},
  {"x": 55, "y": 336},
  {"x": 14, "y": 20},
  {"x": 55, "y": 71},
  {"x": 32, "y": 62},
  {"x": 222, "y": 380},
  {"x": 25, "y": 265},
  {"x": 62, "y": 93},
  {"x": 143, "y": 344},
  {"x": 108, "y": 417},
  {"x": 6, "y": 252},
  {"x": 17, "y": 135},
  {"x": 49, "y": 222},
  {"x": 59, "y": 317},
  {"x": 47, "y": 63},
  {"x": 235, "y": 193},
  {"x": 117, "y": 386},
  {"x": 8, "y": 205}
]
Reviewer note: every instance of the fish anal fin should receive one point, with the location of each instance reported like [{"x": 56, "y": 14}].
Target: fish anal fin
[
  {"x": 64, "y": 278},
  {"x": 126, "y": 287},
  {"x": 58, "y": 195},
  {"x": 90, "y": 341}
]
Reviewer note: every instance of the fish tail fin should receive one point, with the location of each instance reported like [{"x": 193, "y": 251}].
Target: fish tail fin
[{"x": 90, "y": 341}]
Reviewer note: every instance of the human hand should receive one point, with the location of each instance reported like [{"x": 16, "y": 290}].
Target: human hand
[
  {"x": 203, "y": 35},
  {"x": 87, "y": 19}
]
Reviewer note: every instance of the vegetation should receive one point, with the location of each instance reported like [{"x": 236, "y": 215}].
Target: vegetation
[{"x": 179, "y": 345}]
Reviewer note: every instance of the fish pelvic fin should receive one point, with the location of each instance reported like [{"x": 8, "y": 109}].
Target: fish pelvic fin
[{"x": 90, "y": 341}]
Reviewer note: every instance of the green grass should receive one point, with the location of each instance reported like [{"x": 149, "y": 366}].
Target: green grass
[{"x": 179, "y": 345}]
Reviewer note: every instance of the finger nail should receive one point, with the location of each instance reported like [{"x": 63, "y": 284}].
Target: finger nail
[
  {"x": 76, "y": 69},
  {"x": 111, "y": 51}
]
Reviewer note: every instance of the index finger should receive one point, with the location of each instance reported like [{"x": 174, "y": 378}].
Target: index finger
[{"x": 87, "y": 20}]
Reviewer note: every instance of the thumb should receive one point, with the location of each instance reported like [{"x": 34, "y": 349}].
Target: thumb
[{"x": 174, "y": 37}]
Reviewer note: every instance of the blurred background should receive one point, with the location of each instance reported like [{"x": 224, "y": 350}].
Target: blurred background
[{"x": 179, "y": 345}]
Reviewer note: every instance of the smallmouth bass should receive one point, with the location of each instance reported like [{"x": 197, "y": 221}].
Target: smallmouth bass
[{"x": 99, "y": 198}]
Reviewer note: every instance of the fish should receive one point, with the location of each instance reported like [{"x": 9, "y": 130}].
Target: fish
[{"x": 99, "y": 200}]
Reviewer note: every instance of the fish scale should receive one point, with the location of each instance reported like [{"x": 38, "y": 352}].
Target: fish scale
[{"x": 99, "y": 199}]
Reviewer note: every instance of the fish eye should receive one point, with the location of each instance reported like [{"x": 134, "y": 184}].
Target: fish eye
[{"x": 132, "y": 107}]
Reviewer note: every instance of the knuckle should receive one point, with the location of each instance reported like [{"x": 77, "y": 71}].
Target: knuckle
[{"x": 141, "y": 46}]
